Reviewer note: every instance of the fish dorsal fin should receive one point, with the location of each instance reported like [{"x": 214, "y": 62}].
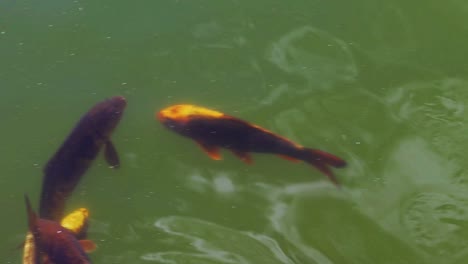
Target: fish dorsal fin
[
  {"x": 32, "y": 217},
  {"x": 87, "y": 245},
  {"x": 111, "y": 155},
  {"x": 289, "y": 158},
  {"x": 244, "y": 156},
  {"x": 212, "y": 151}
]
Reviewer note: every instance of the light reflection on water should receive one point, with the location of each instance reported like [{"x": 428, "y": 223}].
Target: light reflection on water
[
  {"x": 315, "y": 55},
  {"x": 212, "y": 243}
]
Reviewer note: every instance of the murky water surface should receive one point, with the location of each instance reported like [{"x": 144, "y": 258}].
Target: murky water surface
[{"x": 383, "y": 84}]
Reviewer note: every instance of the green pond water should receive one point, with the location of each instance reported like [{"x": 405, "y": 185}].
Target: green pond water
[{"x": 383, "y": 84}]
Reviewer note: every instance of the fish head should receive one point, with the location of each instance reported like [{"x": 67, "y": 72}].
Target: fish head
[
  {"x": 107, "y": 114},
  {"x": 177, "y": 116},
  {"x": 186, "y": 112}
]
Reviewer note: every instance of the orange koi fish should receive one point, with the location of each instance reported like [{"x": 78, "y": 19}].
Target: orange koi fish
[
  {"x": 66, "y": 167},
  {"x": 213, "y": 130},
  {"x": 54, "y": 242}
]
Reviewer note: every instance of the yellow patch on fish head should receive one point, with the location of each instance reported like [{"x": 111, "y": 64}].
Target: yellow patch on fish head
[
  {"x": 76, "y": 220},
  {"x": 184, "y": 112}
]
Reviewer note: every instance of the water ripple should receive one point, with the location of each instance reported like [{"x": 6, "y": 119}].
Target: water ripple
[
  {"x": 315, "y": 55},
  {"x": 212, "y": 243},
  {"x": 437, "y": 221}
]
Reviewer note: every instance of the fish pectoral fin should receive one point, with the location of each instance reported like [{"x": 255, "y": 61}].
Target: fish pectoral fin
[
  {"x": 87, "y": 245},
  {"x": 110, "y": 154},
  {"x": 289, "y": 158},
  {"x": 244, "y": 156},
  {"x": 211, "y": 150}
]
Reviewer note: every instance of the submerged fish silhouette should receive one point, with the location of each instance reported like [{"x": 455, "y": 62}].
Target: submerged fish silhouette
[
  {"x": 212, "y": 130},
  {"x": 64, "y": 170}
]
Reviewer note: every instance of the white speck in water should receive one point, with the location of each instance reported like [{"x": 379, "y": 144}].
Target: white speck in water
[
  {"x": 72, "y": 54},
  {"x": 80, "y": 8},
  {"x": 3, "y": 32},
  {"x": 124, "y": 83},
  {"x": 50, "y": 25},
  {"x": 108, "y": 37},
  {"x": 358, "y": 143}
]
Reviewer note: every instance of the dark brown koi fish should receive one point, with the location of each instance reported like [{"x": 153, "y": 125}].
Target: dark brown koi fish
[
  {"x": 53, "y": 242},
  {"x": 212, "y": 130},
  {"x": 76, "y": 222},
  {"x": 64, "y": 170}
]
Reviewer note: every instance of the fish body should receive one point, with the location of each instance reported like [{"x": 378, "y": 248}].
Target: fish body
[
  {"x": 56, "y": 243},
  {"x": 213, "y": 130},
  {"x": 76, "y": 222},
  {"x": 64, "y": 170}
]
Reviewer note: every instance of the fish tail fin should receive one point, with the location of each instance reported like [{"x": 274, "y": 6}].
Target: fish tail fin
[{"x": 323, "y": 161}]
